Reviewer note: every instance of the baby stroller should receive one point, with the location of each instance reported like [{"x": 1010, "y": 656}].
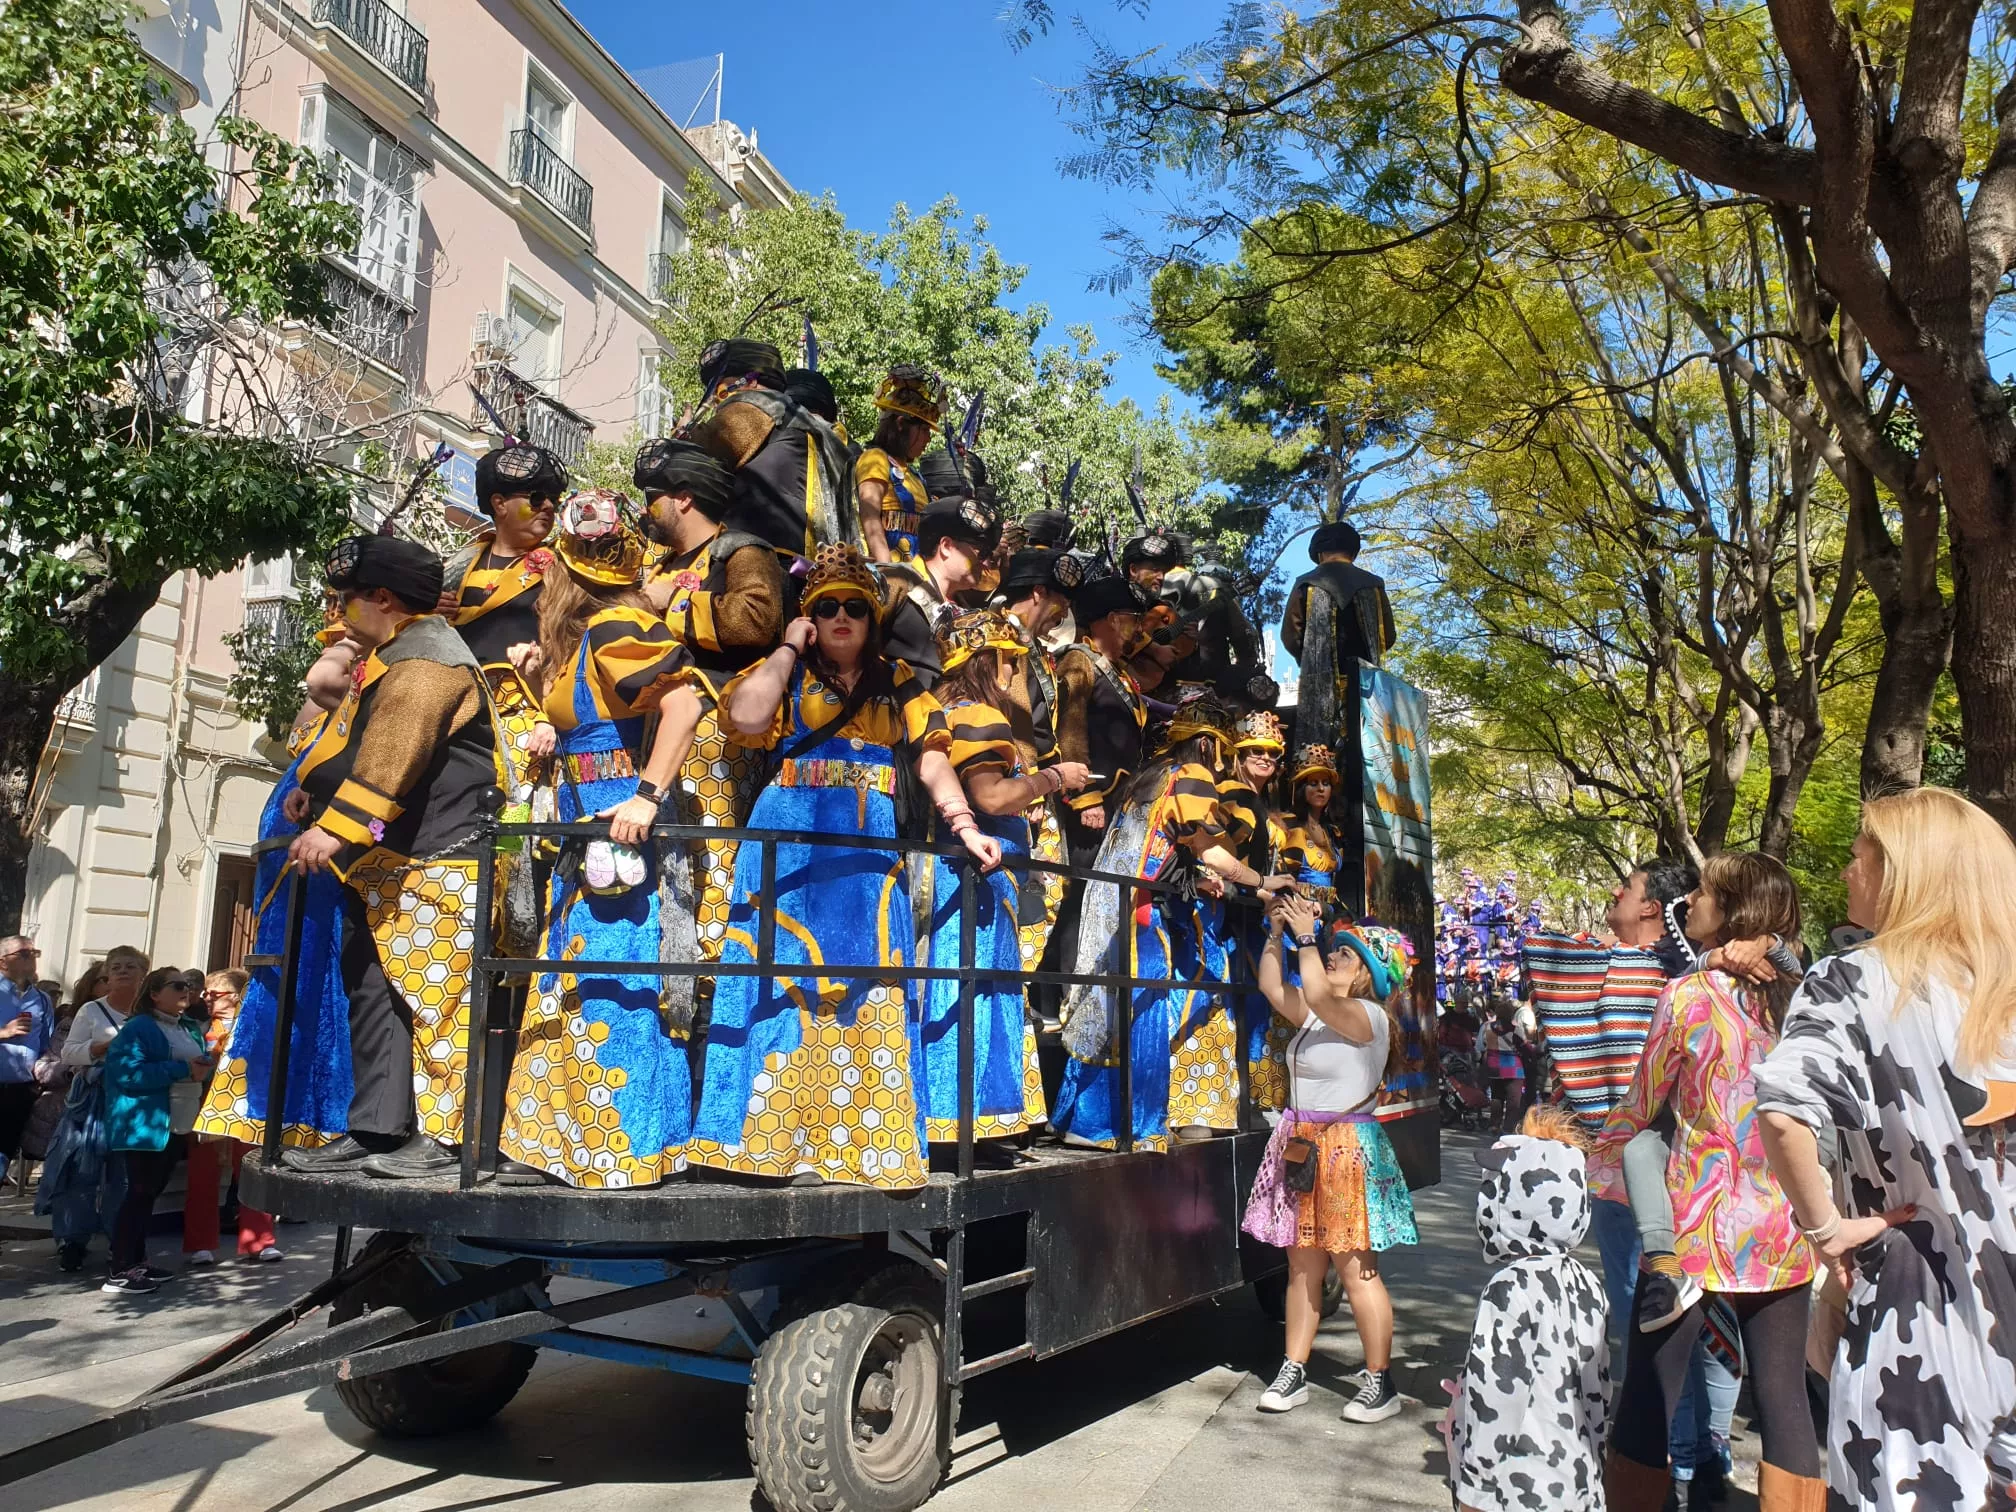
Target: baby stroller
[{"x": 1465, "y": 1103}]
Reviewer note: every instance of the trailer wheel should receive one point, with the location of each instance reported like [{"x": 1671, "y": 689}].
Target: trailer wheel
[
  {"x": 438, "y": 1396},
  {"x": 1271, "y": 1292},
  {"x": 843, "y": 1401}
]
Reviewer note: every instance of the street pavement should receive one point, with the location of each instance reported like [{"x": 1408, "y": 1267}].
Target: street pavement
[{"x": 1160, "y": 1418}]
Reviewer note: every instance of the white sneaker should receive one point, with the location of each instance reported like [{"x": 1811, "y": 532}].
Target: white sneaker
[
  {"x": 203, "y": 1257},
  {"x": 271, "y": 1255},
  {"x": 1377, "y": 1400},
  {"x": 1289, "y": 1391}
]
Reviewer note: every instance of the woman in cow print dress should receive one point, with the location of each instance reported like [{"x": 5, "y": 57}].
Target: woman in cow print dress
[{"x": 1918, "y": 1078}]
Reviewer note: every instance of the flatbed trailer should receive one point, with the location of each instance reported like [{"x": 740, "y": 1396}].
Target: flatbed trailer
[{"x": 854, "y": 1316}]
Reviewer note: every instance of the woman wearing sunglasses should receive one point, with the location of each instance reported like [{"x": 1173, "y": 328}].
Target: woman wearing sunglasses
[{"x": 809, "y": 1078}]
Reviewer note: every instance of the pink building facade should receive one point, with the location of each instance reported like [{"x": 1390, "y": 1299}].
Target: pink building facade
[{"x": 518, "y": 191}]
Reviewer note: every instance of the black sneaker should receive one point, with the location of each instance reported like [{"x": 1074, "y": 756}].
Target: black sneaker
[
  {"x": 133, "y": 1283},
  {"x": 69, "y": 1257},
  {"x": 419, "y": 1156},
  {"x": 1289, "y": 1391},
  {"x": 1665, "y": 1292},
  {"x": 156, "y": 1275},
  {"x": 1377, "y": 1399},
  {"x": 340, "y": 1156}
]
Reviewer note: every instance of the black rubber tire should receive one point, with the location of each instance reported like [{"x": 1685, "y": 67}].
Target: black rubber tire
[
  {"x": 440, "y": 1396},
  {"x": 805, "y": 1386},
  {"x": 1271, "y": 1292}
]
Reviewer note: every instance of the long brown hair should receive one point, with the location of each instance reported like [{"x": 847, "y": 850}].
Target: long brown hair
[
  {"x": 566, "y": 604},
  {"x": 1758, "y": 898},
  {"x": 89, "y": 985},
  {"x": 1949, "y": 871}
]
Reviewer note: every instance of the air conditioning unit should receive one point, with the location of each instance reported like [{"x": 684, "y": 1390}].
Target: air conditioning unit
[{"x": 491, "y": 339}]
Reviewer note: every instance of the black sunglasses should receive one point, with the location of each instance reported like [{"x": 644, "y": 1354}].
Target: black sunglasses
[{"x": 857, "y": 608}]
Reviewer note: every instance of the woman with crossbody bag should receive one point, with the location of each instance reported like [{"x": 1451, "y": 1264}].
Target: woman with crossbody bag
[{"x": 1329, "y": 1188}]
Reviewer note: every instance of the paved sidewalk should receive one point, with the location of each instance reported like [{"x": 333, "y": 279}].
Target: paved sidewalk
[{"x": 1158, "y": 1419}]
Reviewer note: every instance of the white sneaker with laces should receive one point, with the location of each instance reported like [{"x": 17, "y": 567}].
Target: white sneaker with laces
[
  {"x": 1377, "y": 1400},
  {"x": 203, "y": 1257},
  {"x": 1289, "y": 1391}
]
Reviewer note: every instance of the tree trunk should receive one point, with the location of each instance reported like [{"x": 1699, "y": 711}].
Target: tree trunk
[
  {"x": 100, "y": 618},
  {"x": 1984, "y": 666},
  {"x": 1793, "y": 742}
]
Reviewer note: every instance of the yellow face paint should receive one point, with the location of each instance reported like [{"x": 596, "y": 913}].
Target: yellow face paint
[{"x": 350, "y": 611}]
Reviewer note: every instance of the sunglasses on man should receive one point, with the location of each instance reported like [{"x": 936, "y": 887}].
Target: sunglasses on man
[{"x": 856, "y": 608}]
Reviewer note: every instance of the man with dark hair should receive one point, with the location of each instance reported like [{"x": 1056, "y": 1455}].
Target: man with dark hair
[
  {"x": 955, "y": 541},
  {"x": 722, "y": 593},
  {"x": 396, "y": 790}
]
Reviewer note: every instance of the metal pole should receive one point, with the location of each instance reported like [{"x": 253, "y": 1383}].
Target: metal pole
[
  {"x": 967, "y": 890},
  {"x": 340, "y": 1259},
  {"x": 283, "y": 1020},
  {"x": 479, "y": 1012},
  {"x": 1124, "y": 1130},
  {"x": 766, "y": 915}
]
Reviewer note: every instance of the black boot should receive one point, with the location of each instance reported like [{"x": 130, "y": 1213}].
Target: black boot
[{"x": 419, "y": 1156}]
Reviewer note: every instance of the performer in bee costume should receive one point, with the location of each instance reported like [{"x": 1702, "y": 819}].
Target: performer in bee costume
[
  {"x": 1257, "y": 749},
  {"x": 601, "y": 1090},
  {"x": 1337, "y": 616},
  {"x": 983, "y": 652},
  {"x": 722, "y": 593},
  {"x": 1146, "y": 560},
  {"x": 887, "y": 488},
  {"x": 401, "y": 786},
  {"x": 807, "y": 1077},
  {"x": 1183, "y": 1046},
  {"x": 955, "y": 540}
]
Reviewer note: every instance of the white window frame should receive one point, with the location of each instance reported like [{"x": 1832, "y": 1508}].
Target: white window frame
[
  {"x": 390, "y": 260},
  {"x": 671, "y": 205},
  {"x": 517, "y": 284},
  {"x": 264, "y": 579},
  {"x": 569, "y": 107},
  {"x": 654, "y": 399}
]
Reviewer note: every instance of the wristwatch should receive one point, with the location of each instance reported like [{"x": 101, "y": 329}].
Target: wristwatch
[{"x": 1304, "y": 942}]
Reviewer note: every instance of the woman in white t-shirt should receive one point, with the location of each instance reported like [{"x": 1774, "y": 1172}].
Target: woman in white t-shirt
[{"x": 1350, "y": 1200}]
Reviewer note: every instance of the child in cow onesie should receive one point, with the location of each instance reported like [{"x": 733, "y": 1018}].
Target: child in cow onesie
[{"x": 1525, "y": 1423}]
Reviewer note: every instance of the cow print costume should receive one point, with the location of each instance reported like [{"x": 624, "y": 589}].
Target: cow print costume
[
  {"x": 1526, "y": 1426},
  {"x": 1923, "y": 1408}
]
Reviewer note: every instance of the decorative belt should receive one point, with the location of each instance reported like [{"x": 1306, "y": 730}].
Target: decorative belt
[
  {"x": 864, "y": 777},
  {"x": 600, "y": 766}
]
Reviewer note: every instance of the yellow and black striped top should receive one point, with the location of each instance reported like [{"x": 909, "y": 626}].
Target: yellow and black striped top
[
  {"x": 497, "y": 603},
  {"x": 1243, "y": 814},
  {"x": 1188, "y": 809},
  {"x": 633, "y": 662},
  {"x": 911, "y": 720},
  {"x": 982, "y": 740}
]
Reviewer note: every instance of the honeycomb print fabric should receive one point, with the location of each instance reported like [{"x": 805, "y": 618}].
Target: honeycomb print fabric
[
  {"x": 1526, "y": 1424},
  {"x": 1923, "y": 1391}
]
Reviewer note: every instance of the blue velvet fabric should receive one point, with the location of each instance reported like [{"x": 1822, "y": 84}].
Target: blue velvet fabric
[
  {"x": 998, "y": 1015},
  {"x": 318, "y": 1063}
]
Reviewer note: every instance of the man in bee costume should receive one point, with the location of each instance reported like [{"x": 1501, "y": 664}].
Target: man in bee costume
[
  {"x": 398, "y": 793},
  {"x": 722, "y": 593}
]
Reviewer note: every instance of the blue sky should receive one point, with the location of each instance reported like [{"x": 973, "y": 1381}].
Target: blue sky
[{"x": 912, "y": 99}]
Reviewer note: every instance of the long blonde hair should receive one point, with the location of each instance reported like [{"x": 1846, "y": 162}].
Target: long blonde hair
[
  {"x": 1949, "y": 873},
  {"x": 566, "y": 604}
]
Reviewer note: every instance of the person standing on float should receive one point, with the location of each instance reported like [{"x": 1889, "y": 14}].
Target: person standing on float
[
  {"x": 890, "y": 494},
  {"x": 601, "y": 1089},
  {"x": 811, "y": 1078},
  {"x": 1257, "y": 749}
]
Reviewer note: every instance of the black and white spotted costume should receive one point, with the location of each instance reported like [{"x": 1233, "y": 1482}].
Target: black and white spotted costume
[
  {"x": 1924, "y": 1385},
  {"x": 1526, "y": 1428}
]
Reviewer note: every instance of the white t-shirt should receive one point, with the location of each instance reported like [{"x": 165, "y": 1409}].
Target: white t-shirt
[
  {"x": 1329, "y": 1074},
  {"x": 185, "y": 1097},
  {"x": 96, "y": 1023}
]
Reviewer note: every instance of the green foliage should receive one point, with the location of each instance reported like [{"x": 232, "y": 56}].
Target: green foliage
[
  {"x": 930, "y": 290},
  {"x": 271, "y": 662},
  {"x": 120, "y": 246}
]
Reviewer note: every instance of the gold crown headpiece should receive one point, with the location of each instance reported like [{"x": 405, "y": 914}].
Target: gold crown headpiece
[
  {"x": 982, "y": 630},
  {"x": 1207, "y": 714},
  {"x": 840, "y": 569},
  {"x": 1261, "y": 731},
  {"x": 1314, "y": 761},
  {"x": 594, "y": 537},
  {"x": 914, "y": 391}
]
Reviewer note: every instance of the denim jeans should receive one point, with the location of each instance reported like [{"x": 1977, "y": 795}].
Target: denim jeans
[{"x": 75, "y": 1216}]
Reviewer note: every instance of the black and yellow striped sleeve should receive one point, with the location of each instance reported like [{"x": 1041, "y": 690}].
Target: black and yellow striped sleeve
[
  {"x": 924, "y": 727},
  {"x": 982, "y": 740},
  {"x": 1239, "y": 810},
  {"x": 637, "y": 662},
  {"x": 1192, "y": 808}
]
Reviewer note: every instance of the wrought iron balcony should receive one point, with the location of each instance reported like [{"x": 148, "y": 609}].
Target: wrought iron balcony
[
  {"x": 367, "y": 320},
  {"x": 532, "y": 415},
  {"x": 660, "y": 277},
  {"x": 273, "y": 621},
  {"x": 380, "y": 31},
  {"x": 536, "y": 165}
]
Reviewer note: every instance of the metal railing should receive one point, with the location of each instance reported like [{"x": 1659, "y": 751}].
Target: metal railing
[
  {"x": 376, "y": 28},
  {"x": 532, "y": 415},
  {"x": 539, "y": 167},
  {"x": 491, "y": 1059},
  {"x": 367, "y": 320}
]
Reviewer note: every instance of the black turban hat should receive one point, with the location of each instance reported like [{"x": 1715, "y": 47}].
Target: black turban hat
[
  {"x": 1103, "y": 596},
  {"x": 943, "y": 477},
  {"x": 518, "y": 469},
  {"x": 1049, "y": 527},
  {"x": 670, "y": 467},
  {"x": 1039, "y": 567},
  {"x": 1338, "y": 535},
  {"x": 966, "y": 521},
  {"x": 739, "y": 358},
  {"x": 813, "y": 391},
  {"x": 1157, "y": 548},
  {"x": 407, "y": 570}
]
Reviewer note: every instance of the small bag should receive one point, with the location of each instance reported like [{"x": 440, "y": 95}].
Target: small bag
[{"x": 1298, "y": 1165}]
